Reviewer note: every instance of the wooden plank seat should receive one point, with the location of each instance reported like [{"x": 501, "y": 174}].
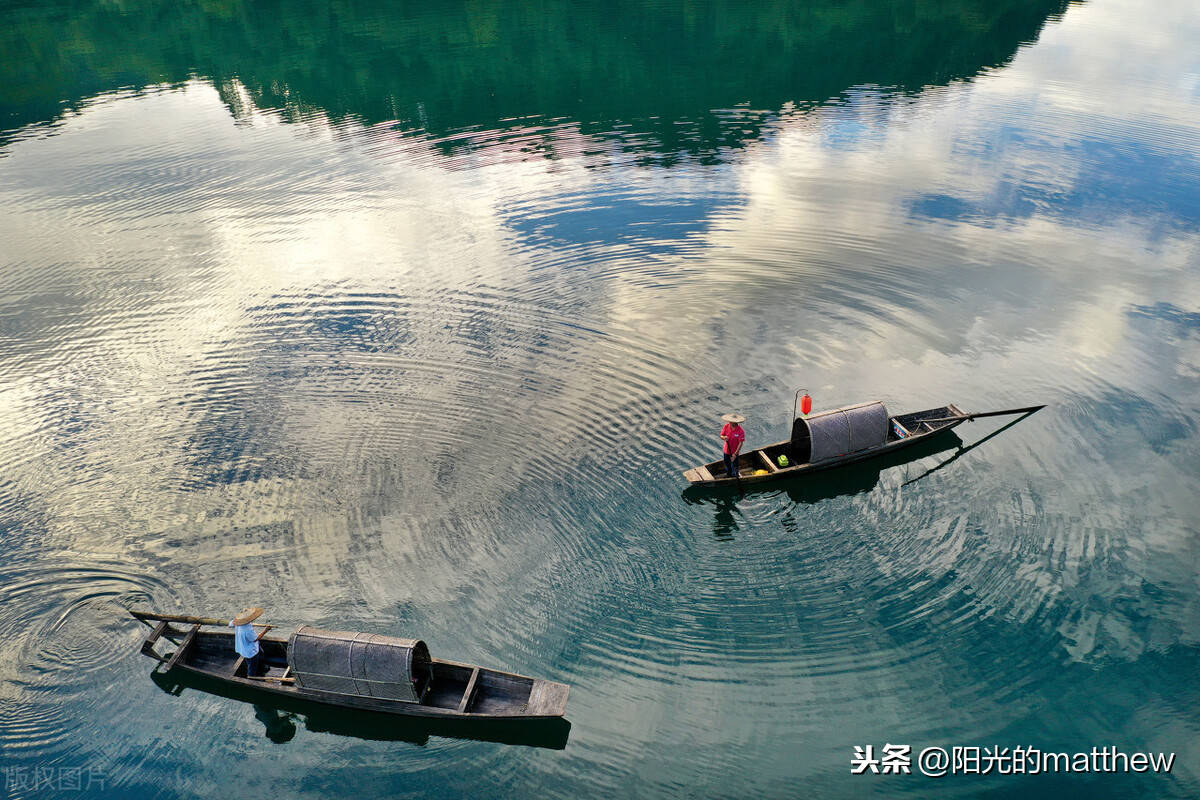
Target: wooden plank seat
[
  {"x": 283, "y": 677},
  {"x": 465, "y": 703},
  {"x": 183, "y": 646},
  {"x": 148, "y": 645},
  {"x": 275, "y": 678}
]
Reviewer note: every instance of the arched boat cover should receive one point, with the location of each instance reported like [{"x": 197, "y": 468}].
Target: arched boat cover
[
  {"x": 362, "y": 664},
  {"x": 841, "y": 431}
]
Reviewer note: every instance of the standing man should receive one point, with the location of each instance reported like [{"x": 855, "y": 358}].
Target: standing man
[
  {"x": 734, "y": 437},
  {"x": 245, "y": 639}
]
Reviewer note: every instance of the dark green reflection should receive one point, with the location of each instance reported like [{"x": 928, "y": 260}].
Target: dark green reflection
[{"x": 481, "y": 63}]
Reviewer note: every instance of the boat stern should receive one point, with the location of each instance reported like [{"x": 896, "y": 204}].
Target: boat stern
[{"x": 547, "y": 699}]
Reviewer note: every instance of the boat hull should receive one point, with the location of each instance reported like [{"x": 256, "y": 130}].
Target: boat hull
[
  {"x": 369, "y": 704},
  {"x": 459, "y": 691},
  {"x": 368, "y": 724},
  {"x": 712, "y": 474}
]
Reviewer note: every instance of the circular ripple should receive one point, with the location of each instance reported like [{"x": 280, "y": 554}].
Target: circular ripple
[{"x": 444, "y": 385}]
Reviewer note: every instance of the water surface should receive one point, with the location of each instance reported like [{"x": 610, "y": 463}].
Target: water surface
[{"x": 408, "y": 321}]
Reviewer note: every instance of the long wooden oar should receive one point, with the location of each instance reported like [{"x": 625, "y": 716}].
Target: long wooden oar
[
  {"x": 1005, "y": 412},
  {"x": 964, "y": 450},
  {"x": 190, "y": 620}
]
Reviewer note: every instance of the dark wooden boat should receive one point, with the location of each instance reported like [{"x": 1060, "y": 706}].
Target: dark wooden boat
[
  {"x": 830, "y": 439},
  {"x": 356, "y": 670},
  {"x": 863, "y": 476},
  {"x": 281, "y": 716}
]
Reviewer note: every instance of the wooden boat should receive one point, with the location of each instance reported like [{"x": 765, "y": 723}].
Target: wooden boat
[
  {"x": 830, "y": 439},
  {"x": 281, "y": 716},
  {"x": 852, "y": 479},
  {"x": 356, "y": 670}
]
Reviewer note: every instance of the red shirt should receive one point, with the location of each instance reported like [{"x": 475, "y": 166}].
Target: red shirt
[{"x": 734, "y": 437}]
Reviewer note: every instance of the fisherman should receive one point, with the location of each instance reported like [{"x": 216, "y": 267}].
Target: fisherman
[
  {"x": 734, "y": 437},
  {"x": 245, "y": 640}
]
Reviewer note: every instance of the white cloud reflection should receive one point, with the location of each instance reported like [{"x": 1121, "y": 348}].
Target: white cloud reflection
[{"x": 880, "y": 246}]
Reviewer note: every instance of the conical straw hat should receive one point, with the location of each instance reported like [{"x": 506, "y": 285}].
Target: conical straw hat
[{"x": 249, "y": 615}]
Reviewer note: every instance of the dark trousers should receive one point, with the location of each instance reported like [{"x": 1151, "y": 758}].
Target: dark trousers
[
  {"x": 731, "y": 465},
  {"x": 254, "y": 664}
]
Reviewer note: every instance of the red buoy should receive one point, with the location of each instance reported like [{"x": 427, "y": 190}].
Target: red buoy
[{"x": 805, "y": 403}]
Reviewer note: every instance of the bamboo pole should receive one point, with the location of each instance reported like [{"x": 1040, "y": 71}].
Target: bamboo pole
[
  {"x": 1005, "y": 412},
  {"x": 144, "y": 615}
]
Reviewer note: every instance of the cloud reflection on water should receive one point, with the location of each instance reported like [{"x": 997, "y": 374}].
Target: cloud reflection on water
[{"x": 223, "y": 335}]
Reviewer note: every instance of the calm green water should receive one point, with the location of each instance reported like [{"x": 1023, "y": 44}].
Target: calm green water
[{"x": 407, "y": 321}]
